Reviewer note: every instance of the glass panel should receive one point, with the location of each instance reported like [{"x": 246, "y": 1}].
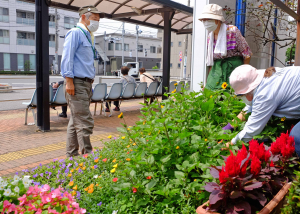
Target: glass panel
[
  {"x": 118, "y": 46},
  {"x": 1, "y": 40},
  {"x": 6, "y": 58},
  {"x": 21, "y": 35},
  {"x": 32, "y": 62},
  {"x": 66, "y": 20},
  {"x": 20, "y": 62},
  {"x": 5, "y": 11},
  {"x": 6, "y": 40},
  {"x": 126, "y": 47},
  {"x": 140, "y": 48}
]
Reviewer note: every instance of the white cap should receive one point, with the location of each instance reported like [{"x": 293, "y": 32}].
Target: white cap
[{"x": 212, "y": 11}]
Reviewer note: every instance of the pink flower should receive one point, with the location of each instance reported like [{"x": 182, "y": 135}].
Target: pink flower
[
  {"x": 134, "y": 190},
  {"x": 22, "y": 199},
  {"x": 6, "y": 204},
  {"x": 115, "y": 179},
  {"x": 104, "y": 160},
  {"x": 45, "y": 188}
]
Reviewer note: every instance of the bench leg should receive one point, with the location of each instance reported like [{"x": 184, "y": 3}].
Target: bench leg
[
  {"x": 95, "y": 109},
  {"x": 101, "y": 109},
  {"x": 26, "y": 115},
  {"x": 34, "y": 116},
  {"x": 109, "y": 106}
]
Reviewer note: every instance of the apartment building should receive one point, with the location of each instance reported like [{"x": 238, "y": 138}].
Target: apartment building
[{"x": 17, "y": 34}]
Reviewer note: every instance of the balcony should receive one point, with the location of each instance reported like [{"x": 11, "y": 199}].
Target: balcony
[
  {"x": 29, "y": 42},
  {"x": 4, "y": 40},
  {"x": 25, "y": 21},
  {"x": 4, "y": 18},
  {"x": 52, "y": 44},
  {"x": 52, "y": 24}
]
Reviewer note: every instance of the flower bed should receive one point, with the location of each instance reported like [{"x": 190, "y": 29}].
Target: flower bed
[{"x": 160, "y": 165}]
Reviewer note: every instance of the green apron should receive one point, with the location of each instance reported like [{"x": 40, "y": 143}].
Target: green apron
[{"x": 221, "y": 71}]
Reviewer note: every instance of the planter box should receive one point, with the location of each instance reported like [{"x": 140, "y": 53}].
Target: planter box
[{"x": 273, "y": 207}]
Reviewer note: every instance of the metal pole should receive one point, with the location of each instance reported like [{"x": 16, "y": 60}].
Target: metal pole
[
  {"x": 56, "y": 42},
  {"x": 186, "y": 49},
  {"x": 42, "y": 64},
  {"x": 273, "y": 43},
  {"x": 123, "y": 32},
  {"x": 104, "y": 67},
  {"x": 167, "y": 16},
  {"x": 137, "y": 43},
  {"x": 297, "y": 51}
]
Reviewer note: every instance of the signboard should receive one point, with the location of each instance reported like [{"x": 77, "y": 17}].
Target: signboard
[{"x": 180, "y": 56}]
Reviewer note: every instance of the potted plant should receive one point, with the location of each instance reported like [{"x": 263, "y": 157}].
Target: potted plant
[{"x": 251, "y": 178}]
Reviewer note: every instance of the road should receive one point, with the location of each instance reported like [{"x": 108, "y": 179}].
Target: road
[{"x": 25, "y": 85}]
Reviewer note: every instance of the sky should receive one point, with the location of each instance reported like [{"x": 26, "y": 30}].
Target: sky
[{"x": 111, "y": 26}]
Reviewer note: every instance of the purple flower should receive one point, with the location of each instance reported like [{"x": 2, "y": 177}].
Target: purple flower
[
  {"x": 63, "y": 166},
  {"x": 114, "y": 139},
  {"x": 71, "y": 158},
  {"x": 48, "y": 166},
  {"x": 95, "y": 158},
  {"x": 46, "y": 172},
  {"x": 208, "y": 147},
  {"x": 34, "y": 176},
  {"x": 61, "y": 160},
  {"x": 53, "y": 167},
  {"x": 54, "y": 160},
  {"x": 95, "y": 167},
  {"x": 76, "y": 164},
  {"x": 67, "y": 171},
  {"x": 48, "y": 177},
  {"x": 36, "y": 183},
  {"x": 99, "y": 204},
  {"x": 52, "y": 188},
  {"x": 40, "y": 164},
  {"x": 17, "y": 173},
  {"x": 69, "y": 165},
  {"x": 62, "y": 195},
  {"x": 79, "y": 171},
  {"x": 57, "y": 176},
  {"x": 50, "y": 173},
  {"x": 42, "y": 174}
]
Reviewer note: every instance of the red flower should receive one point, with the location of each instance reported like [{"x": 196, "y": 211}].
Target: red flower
[
  {"x": 232, "y": 166},
  {"x": 267, "y": 156},
  {"x": 284, "y": 145},
  {"x": 134, "y": 190},
  {"x": 272, "y": 164},
  {"x": 242, "y": 154},
  {"x": 149, "y": 177},
  {"x": 85, "y": 155},
  {"x": 127, "y": 152},
  {"x": 223, "y": 175},
  {"x": 104, "y": 160},
  {"x": 253, "y": 147},
  {"x": 244, "y": 169},
  {"x": 255, "y": 166},
  {"x": 115, "y": 179},
  {"x": 260, "y": 6},
  {"x": 288, "y": 149}
]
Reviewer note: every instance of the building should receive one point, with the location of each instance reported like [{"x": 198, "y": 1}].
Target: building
[
  {"x": 178, "y": 46},
  {"x": 17, "y": 34},
  {"x": 149, "y": 49}
]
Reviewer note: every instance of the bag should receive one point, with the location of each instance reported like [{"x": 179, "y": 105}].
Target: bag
[{"x": 154, "y": 80}]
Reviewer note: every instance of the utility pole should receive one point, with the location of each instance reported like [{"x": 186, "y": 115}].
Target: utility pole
[
  {"x": 137, "y": 43},
  {"x": 123, "y": 32},
  {"x": 104, "y": 67},
  {"x": 186, "y": 49},
  {"x": 56, "y": 42}
]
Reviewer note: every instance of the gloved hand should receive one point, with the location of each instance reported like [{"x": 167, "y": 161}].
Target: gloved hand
[{"x": 228, "y": 127}]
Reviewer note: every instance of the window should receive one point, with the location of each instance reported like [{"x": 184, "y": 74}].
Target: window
[
  {"x": 110, "y": 46},
  {"x": 159, "y": 50},
  {"x": 140, "y": 48},
  {"x": 51, "y": 21},
  {"x": 26, "y": 18},
  {"x": 158, "y": 65},
  {"x": 20, "y": 62},
  {"x": 4, "y": 14},
  {"x": 70, "y": 22},
  {"x": 179, "y": 65},
  {"x": 171, "y": 44},
  {"x": 171, "y": 65},
  {"x": 4, "y": 37},
  {"x": 25, "y": 38},
  {"x": 6, "y": 59},
  {"x": 52, "y": 40},
  {"x": 118, "y": 46},
  {"x": 152, "y": 49},
  {"x": 126, "y": 47},
  {"x": 140, "y": 64},
  {"x": 32, "y": 62},
  {"x": 179, "y": 44}
]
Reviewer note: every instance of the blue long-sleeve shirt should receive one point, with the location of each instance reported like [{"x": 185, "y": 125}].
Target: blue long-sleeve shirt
[
  {"x": 278, "y": 95},
  {"x": 78, "y": 56}
]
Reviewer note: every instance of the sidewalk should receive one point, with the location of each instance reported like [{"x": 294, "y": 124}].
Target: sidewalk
[{"x": 23, "y": 147}]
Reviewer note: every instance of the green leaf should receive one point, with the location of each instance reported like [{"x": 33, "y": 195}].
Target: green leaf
[
  {"x": 150, "y": 159},
  {"x": 208, "y": 106},
  {"x": 166, "y": 158},
  {"x": 58, "y": 209},
  {"x": 151, "y": 184},
  {"x": 121, "y": 129},
  {"x": 125, "y": 185},
  {"x": 132, "y": 173},
  {"x": 45, "y": 211},
  {"x": 141, "y": 202},
  {"x": 179, "y": 174}
]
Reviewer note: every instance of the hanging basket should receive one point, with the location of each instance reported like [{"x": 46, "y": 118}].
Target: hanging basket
[{"x": 273, "y": 207}]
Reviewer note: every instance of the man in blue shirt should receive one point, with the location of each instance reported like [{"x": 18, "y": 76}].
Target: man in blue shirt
[{"x": 77, "y": 67}]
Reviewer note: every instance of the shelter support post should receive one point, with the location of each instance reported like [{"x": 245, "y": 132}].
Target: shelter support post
[
  {"x": 167, "y": 16},
  {"x": 42, "y": 64},
  {"x": 297, "y": 51}
]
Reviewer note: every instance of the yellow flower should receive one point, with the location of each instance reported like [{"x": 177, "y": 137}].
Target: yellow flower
[
  {"x": 69, "y": 175},
  {"x": 149, "y": 134},
  {"x": 81, "y": 164},
  {"x": 73, "y": 193},
  {"x": 114, "y": 160},
  {"x": 177, "y": 147},
  {"x": 97, "y": 185},
  {"x": 77, "y": 168},
  {"x": 174, "y": 91},
  {"x": 128, "y": 159},
  {"x": 234, "y": 96},
  {"x": 134, "y": 144},
  {"x": 120, "y": 115},
  {"x": 71, "y": 183},
  {"x": 83, "y": 168},
  {"x": 224, "y": 85},
  {"x": 176, "y": 84},
  {"x": 91, "y": 186},
  {"x": 128, "y": 129},
  {"x": 109, "y": 137},
  {"x": 75, "y": 187},
  {"x": 161, "y": 106},
  {"x": 91, "y": 191},
  {"x": 158, "y": 131},
  {"x": 205, "y": 139},
  {"x": 210, "y": 96},
  {"x": 96, "y": 161},
  {"x": 86, "y": 189},
  {"x": 283, "y": 119},
  {"x": 144, "y": 122},
  {"x": 195, "y": 180},
  {"x": 113, "y": 170},
  {"x": 128, "y": 146},
  {"x": 141, "y": 132},
  {"x": 72, "y": 170},
  {"x": 123, "y": 137},
  {"x": 99, "y": 176},
  {"x": 131, "y": 150},
  {"x": 115, "y": 166}
]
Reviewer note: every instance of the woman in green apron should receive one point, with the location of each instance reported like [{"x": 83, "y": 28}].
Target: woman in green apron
[{"x": 227, "y": 48}]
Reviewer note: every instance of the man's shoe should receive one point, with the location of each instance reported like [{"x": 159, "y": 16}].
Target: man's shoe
[
  {"x": 116, "y": 109},
  {"x": 64, "y": 115},
  {"x": 107, "y": 110}
]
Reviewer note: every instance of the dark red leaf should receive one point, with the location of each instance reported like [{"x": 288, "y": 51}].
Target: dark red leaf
[
  {"x": 253, "y": 186},
  {"x": 231, "y": 211},
  {"x": 211, "y": 186},
  {"x": 243, "y": 205},
  {"x": 236, "y": 194},
  {"x": 250, "y": 195},
  {"x": 216, "y": 196},
  {"x": 214, "y": 172},
  {"x": 262, "y": 199}
]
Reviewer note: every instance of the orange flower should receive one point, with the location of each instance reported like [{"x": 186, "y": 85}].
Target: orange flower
[
  {"x": 81, "y": 164},
  {"x": 86, "y": 189},
  {"x": 114, "y": 160},
  {"x": 71, "y": 183},
  {"x": 83, "y": 168},
  {"x": 96, "y": 161},
  {"x": 149, "y": 177},
  {"x": 91, "y": 190},
  {"x": 73, "y": 193},
  {"x": 69, "y": 175},
  {"x": 72, "y": 170},
  {"x": 75, "y": 187},
  {"x": 260, "y": 6}
]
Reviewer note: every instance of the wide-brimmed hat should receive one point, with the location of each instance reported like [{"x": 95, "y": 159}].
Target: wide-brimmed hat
[
  {"x": 212, "y": 11},
  {"x": 88, "y": 8},
  {"x": 245, "y": 78}
]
